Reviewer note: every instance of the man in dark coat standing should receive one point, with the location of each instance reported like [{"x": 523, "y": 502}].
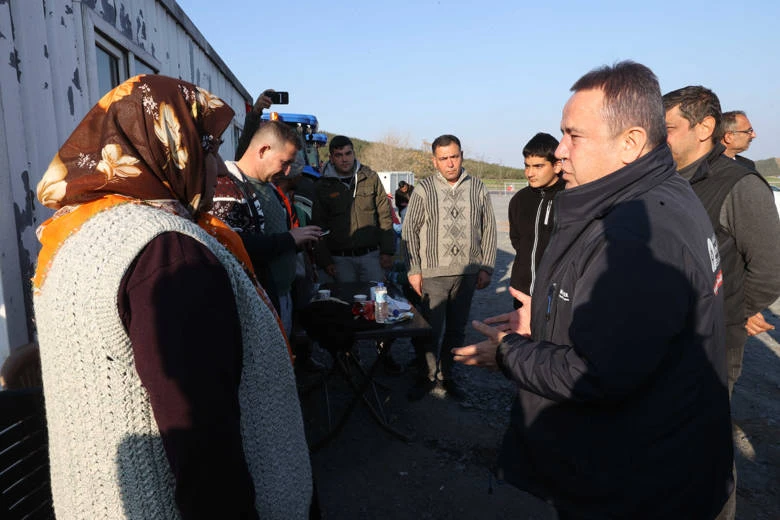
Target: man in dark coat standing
[{"x": 622, "y": 409}]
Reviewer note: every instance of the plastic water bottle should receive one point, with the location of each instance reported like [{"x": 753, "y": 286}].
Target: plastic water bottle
[{"x": 380, "y": 303}]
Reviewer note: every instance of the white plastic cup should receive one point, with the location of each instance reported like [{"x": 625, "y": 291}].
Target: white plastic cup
[{"x": 323, "y": 294}]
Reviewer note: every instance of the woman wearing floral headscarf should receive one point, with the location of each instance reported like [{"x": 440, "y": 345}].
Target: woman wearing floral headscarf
[{"x": 169, "y": 391}]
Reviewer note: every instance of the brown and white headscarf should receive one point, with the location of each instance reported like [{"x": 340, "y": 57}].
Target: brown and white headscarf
[{"x": 146, "y": 139}]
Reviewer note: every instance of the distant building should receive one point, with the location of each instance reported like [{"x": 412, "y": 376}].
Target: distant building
[{"x": 64, "y": 55}]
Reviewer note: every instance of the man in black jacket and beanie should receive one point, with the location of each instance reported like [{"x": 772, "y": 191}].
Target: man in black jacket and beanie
[{"x": 622, "y": 409}]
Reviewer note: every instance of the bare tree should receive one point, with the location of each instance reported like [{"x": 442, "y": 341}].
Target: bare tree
[
  {"x": 421, "y": 160},
  {"x": 391, "y": 153},
  {"x": 394, "y": 153}
]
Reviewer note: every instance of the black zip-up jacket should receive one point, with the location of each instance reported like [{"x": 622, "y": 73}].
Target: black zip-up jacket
[
  {"x": 622, "y": 409},
  {"x": 530, "y": 227}
]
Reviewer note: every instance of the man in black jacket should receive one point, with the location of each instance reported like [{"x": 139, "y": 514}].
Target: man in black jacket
[
  {"x": 622, "y": 409},
  {"x": 530, "y": 211}
]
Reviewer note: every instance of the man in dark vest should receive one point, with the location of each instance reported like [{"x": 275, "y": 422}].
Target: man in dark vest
[
  {"x": 741, "y": 209},
  {"x": 740, "y": 205}
]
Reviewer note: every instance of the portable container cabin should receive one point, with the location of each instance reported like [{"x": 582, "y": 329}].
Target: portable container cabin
[{"x": 64, "y": 55}]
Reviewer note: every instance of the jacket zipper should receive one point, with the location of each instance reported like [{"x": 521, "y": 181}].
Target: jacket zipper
[
  {"x": 553, "y": 289},
  {"x": 549, "y": 311},
  {"x": 547, "y": 214},
  {"x": 536, "y": 243},
  {"x": 550, "y": 297}
]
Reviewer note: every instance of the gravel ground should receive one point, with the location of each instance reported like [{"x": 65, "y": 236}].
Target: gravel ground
[{"x": 444, "y": 472}]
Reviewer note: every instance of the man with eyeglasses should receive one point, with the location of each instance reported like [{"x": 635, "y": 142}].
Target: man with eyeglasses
[
  {"x": 738, "y": 133},
  {"x": 741, "y": 208}
]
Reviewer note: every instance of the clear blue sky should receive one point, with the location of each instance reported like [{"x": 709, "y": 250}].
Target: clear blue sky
[{"x": 492, "y": 72}]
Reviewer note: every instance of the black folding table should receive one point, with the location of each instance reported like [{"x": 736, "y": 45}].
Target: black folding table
[{"x": 337, "y": 332}]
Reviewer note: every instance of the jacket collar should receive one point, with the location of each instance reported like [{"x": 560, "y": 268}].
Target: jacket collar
[
  {"x": 595, "y": 199},
  {"x": 703, "y": 170},
  {"x": 330, "y": 171},
  {"x": 551, "y": 190},
  {"x": 463, "y": 176},
  {"x": 237, "y": 173}
]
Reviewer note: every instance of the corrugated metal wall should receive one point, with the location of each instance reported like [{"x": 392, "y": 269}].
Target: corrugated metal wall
[{"x": 48, "y": 81}]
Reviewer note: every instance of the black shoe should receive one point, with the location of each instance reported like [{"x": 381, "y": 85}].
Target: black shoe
[
  {"x": 420, "y": 389},
  {"x": 391, "y": 366},
  {"x": 454, "y": 391}
]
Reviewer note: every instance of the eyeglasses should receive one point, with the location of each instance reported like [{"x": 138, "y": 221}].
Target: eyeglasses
[{"x": 748, "y": 131}]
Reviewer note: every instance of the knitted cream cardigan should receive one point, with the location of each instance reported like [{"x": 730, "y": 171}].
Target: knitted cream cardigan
[{"x": 107, "y": 458}]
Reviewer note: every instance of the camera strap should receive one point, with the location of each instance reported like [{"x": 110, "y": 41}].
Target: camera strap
[{"x": 252, "y": 202}]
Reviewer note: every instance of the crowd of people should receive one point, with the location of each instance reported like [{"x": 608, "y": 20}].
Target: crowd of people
[{"x": 170, "y": 284}]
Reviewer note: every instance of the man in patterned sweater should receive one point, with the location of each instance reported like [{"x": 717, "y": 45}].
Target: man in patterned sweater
[
  {"x": 250, "y": 204},
  {"x": 450, "y": 242}
]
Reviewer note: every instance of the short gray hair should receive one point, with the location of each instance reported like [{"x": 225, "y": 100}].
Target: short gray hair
[
  {"x": 728, "y": 120},
  {"x": 632, "y": 97}
]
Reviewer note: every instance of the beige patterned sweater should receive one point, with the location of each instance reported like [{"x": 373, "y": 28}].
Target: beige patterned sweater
[{"x": 107, "y": 458}]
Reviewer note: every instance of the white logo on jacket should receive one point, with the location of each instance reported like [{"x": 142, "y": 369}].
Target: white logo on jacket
[
  {"x": 712, "y": 247},
  {"x": 563, "y": 295}
]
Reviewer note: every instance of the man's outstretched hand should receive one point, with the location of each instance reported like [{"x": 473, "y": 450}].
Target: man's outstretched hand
[{"x": 482, "y": 354}]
